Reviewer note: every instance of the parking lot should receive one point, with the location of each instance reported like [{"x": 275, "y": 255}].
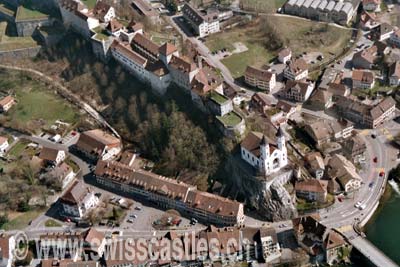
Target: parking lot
[{"x": 140, "y": 216}]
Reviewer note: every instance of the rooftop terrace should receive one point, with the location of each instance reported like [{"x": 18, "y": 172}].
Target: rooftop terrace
[
  {"x": 218, "y": 98},
  {"x": 231, "y": 119}
]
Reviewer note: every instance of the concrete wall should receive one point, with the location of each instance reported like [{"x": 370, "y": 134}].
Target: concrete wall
[{"x": 20, "y": 53}]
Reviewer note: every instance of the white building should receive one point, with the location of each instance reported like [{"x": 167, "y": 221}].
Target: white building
[
  {"x": 394, "y": 74},
  {"x": 202, "y": 22},
  {"x": 104, "y": 12},
  {"x": 52, "y": 156},
  {"x": 78, "y": 200},
  {"x": 266, "y": 157},
  {"x": 97, "y": 144},
  {"x": 296, "y": 70},
  {"x": 271, "y": 249},
  {"x": 285, "y": 55},
  {"x": 3, "y": 144}
]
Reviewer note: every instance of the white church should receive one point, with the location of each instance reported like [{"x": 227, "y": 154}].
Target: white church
[{"x": 266, "y": 156}]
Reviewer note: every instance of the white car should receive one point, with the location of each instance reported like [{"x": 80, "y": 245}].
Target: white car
[
  {"x": 358, "y": 204},
  {"x": 362, "y": 207}
]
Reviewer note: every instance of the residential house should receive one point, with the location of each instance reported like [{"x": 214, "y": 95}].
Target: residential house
[
  {"x": 326, "y": 245},
  {"x": 261, "y": 102},
  {"x": 52, "y": 156},
  {"x": 63, "y": 173},
  {"x": 363, "y": 79},
  {"x": 169, "y": 193},
  {"x": 296, "y": 70},
  {"x": 103, "y": 11},
  {"x": 330, "y": 76},
  {"x": 6, "y": 103},
  {"x": 321, "y": 99},
  {"x": 312, "y": 190},
  {"x": 368, "y": 21},
  {"x": 94, "y": 241},
  {"x": 366, "y": 115},
  {"x": 271, "y": 250},
  {"x": 259, "y": 78},
  {"x": 382, "y": 32},
  {"x": 338, "y": 89},
  {"x": 3, "y": 144},
  {"x": 202, "y": 22},
  {"x": 264, "y": 155},
  {"x": 325, "y": 131},
  {"x": 288, "y": 108},
  {"x": 298, "y": 91},
  {"x": 285, "y": 55},
  {"x": 78, "y": 200},
  {"x": 394, "y": 74},
  {"x": 7, "y": 246},
  {"x": 372, "y": 5},
  {"x": 354, "y": 149},
  {"x": 315, "y": 164},
  {"x": 144, "y": 8},
  {"x": 97, "y": 144},
  {"x": 365, "y": 59},
  {"x": 395, "y": 38},
  {"x": 344, "y": 173}
]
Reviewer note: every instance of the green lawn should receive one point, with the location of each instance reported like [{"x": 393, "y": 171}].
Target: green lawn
[
  {"x": 230, "y": 119},
  {"x": 269, "y": 6},
  {"x": 52, "y": 223},
  {"x": 22, "y": 220},
  {"x": 37, "y": 107},
  {"x": 101, "y": 34},
  {"x": 27, "y": 13},
  {"x": 18, "y": 148},
  {"x": 297, "y": 34},
  {"x": 220, "y": 99},
  {"x": 89, "y": 3},
  {"x": 12, "y": 43},
  {"x": 257, "y": 55}
]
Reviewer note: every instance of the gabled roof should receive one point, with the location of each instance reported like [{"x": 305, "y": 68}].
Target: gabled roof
[
  {"x": 48, "y": 153},
  {"x": 101, "y": 9},
  {"x": 312, "y": 185},
  {"x": 182, "y": 64},
  {"x": 6, "y": 100},
  {"x": 76, "y": 193},
  {"x": 167, "y": 49},
  {"x": 253, "y": 141},
  {"x": 128, "y": 52},
  {"x": 363, "y": 76},
  {"x": 146, "y": 44},
  {"x": 333, "y": 239},
  {"x": 94, "y": 141},
  {"x": 259, "y": 74},
  {"x": 114, "y": 25},
  {"x": 297, "y": 66}
]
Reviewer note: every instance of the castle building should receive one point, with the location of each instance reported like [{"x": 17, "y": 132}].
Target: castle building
[{"x": 263, "y": 155}]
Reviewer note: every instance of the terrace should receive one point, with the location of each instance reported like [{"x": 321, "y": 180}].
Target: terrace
[
  {"x": 28, "y": 13},
  {"x": 230, "y": 120},
  {"x": 218, "y": 98},
  {"x": 100, "y": 34}
]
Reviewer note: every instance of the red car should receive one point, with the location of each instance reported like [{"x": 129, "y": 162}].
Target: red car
[
  {"x": 375, "y": 159},
  {"x": 340, "y": 199},
  {"x": 381, "y": 174}
]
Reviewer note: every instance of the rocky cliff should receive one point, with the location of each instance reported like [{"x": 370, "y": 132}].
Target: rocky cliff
[{"x": 268, "y": 196}]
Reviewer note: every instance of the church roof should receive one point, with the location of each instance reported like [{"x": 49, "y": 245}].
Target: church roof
[{"x": 253, "y": 141}]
